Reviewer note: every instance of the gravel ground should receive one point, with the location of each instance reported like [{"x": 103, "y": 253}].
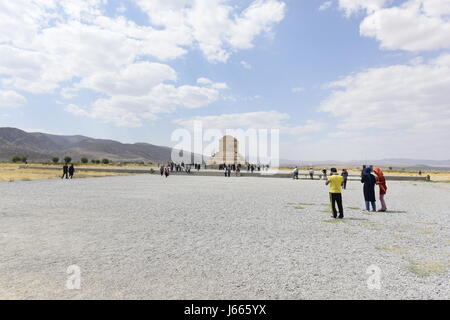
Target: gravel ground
[{"x": 147, "y": 237}]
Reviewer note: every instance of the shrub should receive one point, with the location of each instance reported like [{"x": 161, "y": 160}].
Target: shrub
[
  {"x": 105, "y": 161},
  {"x": 16, "y": 159},
  {"x": 84, "y": 160},
  {"x": 55, "y": 159},
  {"x": 67, "y": 159},
  {"x": 24, "y": 159}
]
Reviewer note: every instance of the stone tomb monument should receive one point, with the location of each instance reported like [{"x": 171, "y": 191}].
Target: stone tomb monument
[{"x": 228, "y": 152}]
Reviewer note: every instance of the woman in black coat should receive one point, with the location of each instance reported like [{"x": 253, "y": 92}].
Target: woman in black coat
[{"x": 369, "y": 181}]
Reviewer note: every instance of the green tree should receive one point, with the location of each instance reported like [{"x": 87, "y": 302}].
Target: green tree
[
  {"x": 16, "y": 159},
  {"x": 24, "y": 159},
  {"x": 84, "y": 160},
  {"x": 67, "y": 159},
  {"x": 55, "y": 160},
  {"x": 105, "y": 161}
]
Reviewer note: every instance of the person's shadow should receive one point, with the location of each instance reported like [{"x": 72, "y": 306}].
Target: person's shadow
[{"x": 357, "y": 219}]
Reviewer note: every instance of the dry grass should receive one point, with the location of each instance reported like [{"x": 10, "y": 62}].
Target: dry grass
[
  {"x": 427, "y": 268},
  {"x": 13, "y": 172},
  {"x": 394, "y": 249},
  {"x": 335, "y": 221}
]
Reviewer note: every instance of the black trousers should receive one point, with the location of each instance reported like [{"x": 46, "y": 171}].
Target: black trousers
[
  {"x": 65, "y": 174},
  {"x": 337, "y": 198}
]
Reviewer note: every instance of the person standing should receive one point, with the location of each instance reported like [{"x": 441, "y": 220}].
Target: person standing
[
  {"x": 295, "y": 172},
  {"x": 161, "y": 171},
  {"x": 311, "y": 173},
  {"x": 369, "y": 189},
  {"x": 227, "y": 171},
  {"x": 166, "y": 171},
  {"x": 335, "y": 181},
  {"x": 71, "y": 171},
  {"x": 363, "y": 170},
  {"x": 344, "y": 175},
  {"x": 381, "y": 182},
  {"x": 65, "y": 171},
  {"x": 324, "y": 171}
]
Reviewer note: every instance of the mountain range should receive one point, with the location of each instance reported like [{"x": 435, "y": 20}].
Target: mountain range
[{"x": 43, "y": 147}]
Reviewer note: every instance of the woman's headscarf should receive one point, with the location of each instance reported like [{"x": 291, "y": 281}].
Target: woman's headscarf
[
  {"x": 381, "y": 180},
  {"x": 367, "y": 171},
  {"x": 379, "y": 173}
]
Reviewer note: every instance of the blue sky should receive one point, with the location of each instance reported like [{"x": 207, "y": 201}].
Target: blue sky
[{"x": 344, "y": 79}]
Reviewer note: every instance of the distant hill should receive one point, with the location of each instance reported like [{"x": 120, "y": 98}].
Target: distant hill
[{"x": 43, "y": 147}]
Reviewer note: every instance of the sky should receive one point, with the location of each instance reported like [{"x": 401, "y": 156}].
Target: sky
[{"x": 340, "y": 79}]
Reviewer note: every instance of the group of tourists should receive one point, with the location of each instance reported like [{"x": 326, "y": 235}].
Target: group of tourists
[
  {"x": 68, "y": 171},
  {"x": 323, "y": 175},
  {"x": 235, "y": 168},
  {"x": 370, "y": 178},
  {"x": 177, "y": 167},
  {"x": 165, "y": 170},
  {"x": 250, "y": 167},
  {"x": 257, "y": 167}
]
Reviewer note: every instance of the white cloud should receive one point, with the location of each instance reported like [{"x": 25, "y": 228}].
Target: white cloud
[
  {"x": 215, "y": 26},
  {"x": 49, "y": 46},
  {"x": 396, "y": 103},
  {"x": 259, "y": 17},
  {"x": 392, "y": 97},
  {"x": 246, "y": 65},
  {"x": 76, "y": 110},
  {"x": 204, "y": 81},
  {"x": 413, "y": 25},
  {"x": 352, "y": 6},
  {"x": 134, "y": 80},
  {"x": 325, "y": 6},
  {"x": 210, "y": 83},
  {"x": 10, "y": 98},
  {"x": 249, "y": 120},
  {"x": 130, "y": 110},
  {"x": 310, "y": 126},
  {"x": 254, "y": 120},
  {"x": 298, "y": 90}
]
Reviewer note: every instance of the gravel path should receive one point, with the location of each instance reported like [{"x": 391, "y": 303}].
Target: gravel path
[{"x": 146, "y": 237}]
